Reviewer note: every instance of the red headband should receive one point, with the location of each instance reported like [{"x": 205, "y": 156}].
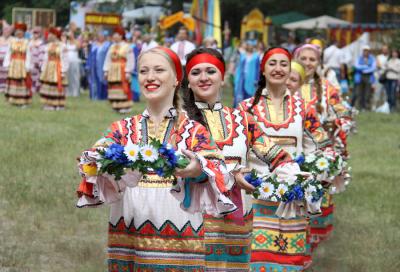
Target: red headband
[
  {"x": 175, "y": 59},
  {"x": 205, "y": 58},
  {"x": 271, "y": 52}
]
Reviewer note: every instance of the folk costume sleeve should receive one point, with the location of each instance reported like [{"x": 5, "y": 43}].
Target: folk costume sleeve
[
  {"x": 206, "y": 192},
  {"x": 316, "y": 137},
  {"x": 64, "y": 59},
  {"x": 95, "y": 188},
  {"x": 130, "y": 61}
]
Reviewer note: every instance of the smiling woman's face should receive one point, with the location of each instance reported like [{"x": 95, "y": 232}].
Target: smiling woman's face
[
  {"x": 277, "y": 69},
  {"x": 157, "y": 80},
  {"x": 205, "y": 80},
  {"x": 310, "y": 60}
]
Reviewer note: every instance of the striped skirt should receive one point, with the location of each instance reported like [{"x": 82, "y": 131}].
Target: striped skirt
[
  {"x": 149, "y": 249},
  {"x": 17, "y": 92},
  {"x": 278, "y": 245},
  {"x": 3, "y": 73},
  {"x": 322, "y": 226},
  {"x": 228, "y": 245},
  {"x": 51, "y": 96},
  {"x": 117, "y": 97}
]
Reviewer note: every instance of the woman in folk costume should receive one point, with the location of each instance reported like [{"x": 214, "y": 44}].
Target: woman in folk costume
[
  {"x": 296, "y": 77},
  {"x": 281, "y": 244},
  {"x": 320, "y": 96},
  {"x": 74, "y": 62},
  {"x": 17, "y": 62},
  {"x": 95, "y": 63},
  {"x": 36, "y": 48},
  {"x": 117, "y": 68},
  {"x": 228, "y": 239},
  {"x": 5, "y": 40},
  {"x": 155, "y": 225},
  {"x": 246, "y": 74},
  {"x": 53, "y": 77}
]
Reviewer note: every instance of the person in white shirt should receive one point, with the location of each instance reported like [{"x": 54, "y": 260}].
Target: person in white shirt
[
  {"x": 148, "y": 42},
  {"x": 381, "y": 61},
  {"x": 333, "y": 57},
  {"x": 392, "y": 69},
  {"x": 182, "y": 46}
]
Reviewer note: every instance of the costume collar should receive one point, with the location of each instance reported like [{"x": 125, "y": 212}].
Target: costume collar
[
  {"x": 172, "y": 113},
  {"x": 205, "y": 106},
  {"x": 265, "y": 93}
]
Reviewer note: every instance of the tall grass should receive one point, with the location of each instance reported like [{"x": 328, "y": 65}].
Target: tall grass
[{"x": 41, "y": 230}]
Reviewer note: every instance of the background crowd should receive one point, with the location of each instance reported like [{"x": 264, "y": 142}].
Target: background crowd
[{"x": 368, "y": 82}]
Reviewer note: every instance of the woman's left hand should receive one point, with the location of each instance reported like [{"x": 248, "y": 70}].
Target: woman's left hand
[
  {"x": 192, "y": 170},
  {"x": 241, "y": 181}
]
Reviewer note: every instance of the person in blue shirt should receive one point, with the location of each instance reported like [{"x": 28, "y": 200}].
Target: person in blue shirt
[
  {"x": 94, "y": 64},
  {"x": 364, "y": 67},
  {"x": 246, "y": 74}
]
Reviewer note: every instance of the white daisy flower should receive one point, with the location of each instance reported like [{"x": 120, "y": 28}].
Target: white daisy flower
[
  {"x": 310, "y": 158},
  {"x": 274, "y": 199},
  {"x": 267, "y": 189},
  {"x": 132, "y": 151},
  {"x": 322, "y": 164},
  {"x": 282, "y": 189},
  {"x": 149, "y": 153},
  {"x": 310, "y": 189},
  {"x": 308, "y": 197}
]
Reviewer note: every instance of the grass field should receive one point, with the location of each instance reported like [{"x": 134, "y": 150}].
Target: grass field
[{"x": 41, "y": 230}]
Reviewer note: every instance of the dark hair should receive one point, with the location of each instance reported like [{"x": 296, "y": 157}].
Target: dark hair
[
  {"x": 188, "y": 96},
  {"x": 318, "y": 90},
  {"x": 262, "y": 82}
]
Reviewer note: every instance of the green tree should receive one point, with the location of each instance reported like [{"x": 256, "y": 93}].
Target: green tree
[
  {"x": 62, "y": 8},
  {"x": 234, "y": 10}
]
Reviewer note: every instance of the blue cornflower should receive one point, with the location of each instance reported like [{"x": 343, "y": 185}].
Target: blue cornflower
[
  {"x": 298, "y": 192},
  {"x": 299, "y": 159},
  {"x": 160, "y": 172},
  {"x": 290, "y": 196},
  {"x": 253, "y": 180},
  {"x": 116, "y": 153}
]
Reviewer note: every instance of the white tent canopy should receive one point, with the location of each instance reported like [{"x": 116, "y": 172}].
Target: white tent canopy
[
  {"x": 317, "y": 22},
  {"x": 151, "y": 12}
]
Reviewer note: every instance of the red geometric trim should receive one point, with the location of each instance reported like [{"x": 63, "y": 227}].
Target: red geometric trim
[
  {"x": 168, "y": 229},
  {"x": 290, "y": 110},
  {"x": 135, "y": 129},
  {"x": 231, "y": 125}
]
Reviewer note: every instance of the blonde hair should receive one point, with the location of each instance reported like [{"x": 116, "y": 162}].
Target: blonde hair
[{"x": 177, "y": 101}]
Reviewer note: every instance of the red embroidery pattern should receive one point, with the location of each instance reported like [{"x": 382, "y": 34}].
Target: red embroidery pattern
[
  {"x": 261, "y": 114},
  {"x": 231, "y": 126}
]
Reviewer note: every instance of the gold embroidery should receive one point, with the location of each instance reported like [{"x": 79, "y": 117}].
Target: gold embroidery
[
  {"x": 159, "y": 133},
  {"x": 214, "y": 123},
  {"x": 284, "y": 140},
  {"x": 155, "y": 181},
  {"x": 153, "y": 242}
]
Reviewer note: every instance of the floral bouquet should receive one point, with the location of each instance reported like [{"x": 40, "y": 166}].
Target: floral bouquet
[
  {"x": 327, "y": 166},
  {"x": 146, "y": 158},
  {"x": 295, "y": 191},
  {"x": 324, "y": 164}
]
